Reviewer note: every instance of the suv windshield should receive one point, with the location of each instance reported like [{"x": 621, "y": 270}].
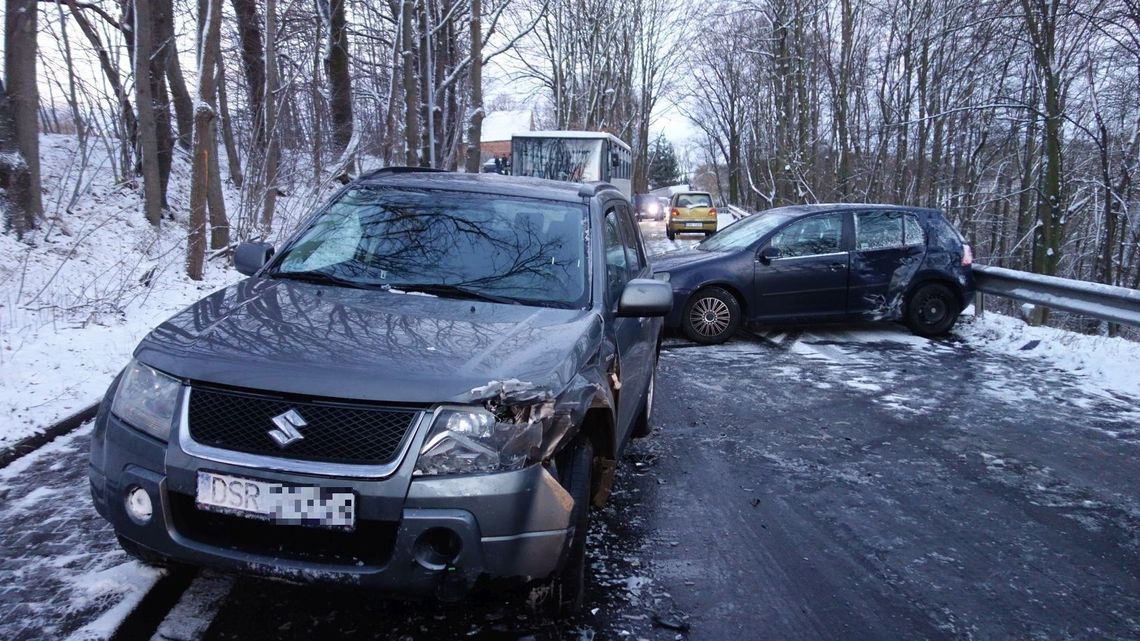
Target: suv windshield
[
  {"x": 744, "y": 233},
  {"x": 453, "y": 244}
]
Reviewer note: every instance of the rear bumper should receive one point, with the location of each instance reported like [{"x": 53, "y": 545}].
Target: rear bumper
[
  {"x": 507, "y": 525},
  {"x": 695, "y": 225}
]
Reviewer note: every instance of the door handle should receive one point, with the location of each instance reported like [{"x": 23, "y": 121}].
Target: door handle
[{"x": 837, "y": 266}]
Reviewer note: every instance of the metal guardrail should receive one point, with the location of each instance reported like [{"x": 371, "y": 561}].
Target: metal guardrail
[
  {"x": 737, "y": 212},
  {"x": 1106, "y": 302}
]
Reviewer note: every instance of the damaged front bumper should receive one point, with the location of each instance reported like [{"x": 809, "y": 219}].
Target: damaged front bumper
[{"x": 413, "y": 535}]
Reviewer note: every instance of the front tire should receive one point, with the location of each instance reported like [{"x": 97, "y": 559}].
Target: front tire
[
  {"x": 932, "y": 310},
  {"x": 711, "y": 316},
  {"x": 565, "y": 593},
  {"x": 643, "y": 426},
  {"x": 670, "y": 234}
]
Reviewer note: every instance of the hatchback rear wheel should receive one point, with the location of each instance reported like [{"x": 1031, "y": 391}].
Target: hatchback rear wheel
[
  {"x": 933, "y": 310},
  {"x": 711, "y": 316}
]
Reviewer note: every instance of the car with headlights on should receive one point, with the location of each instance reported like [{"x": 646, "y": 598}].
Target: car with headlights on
[
  {"x": 821, "y": 263},
  {"x": 417, "y": 393}
]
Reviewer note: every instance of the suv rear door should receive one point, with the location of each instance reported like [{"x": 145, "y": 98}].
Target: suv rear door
[{"x": 889, "y": 247}]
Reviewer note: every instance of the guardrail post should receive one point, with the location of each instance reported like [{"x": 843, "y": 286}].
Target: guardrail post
[{"x": 979, "y": 304}]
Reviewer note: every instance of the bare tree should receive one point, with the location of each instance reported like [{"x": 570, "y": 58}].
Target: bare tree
[
  {"x": 22, "y": 98},
  {"x": 203, "y": 170},
  {"x": 475, "y": 109},
  {"x": 144, "y": 50}
]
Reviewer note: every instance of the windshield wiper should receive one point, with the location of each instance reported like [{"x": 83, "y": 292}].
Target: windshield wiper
[
  {"x": 314, "y": 276},
  {"x": 453, "y": 291}
]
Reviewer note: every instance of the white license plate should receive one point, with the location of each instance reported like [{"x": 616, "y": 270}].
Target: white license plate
[
  {"x": 276, "y": 502},
  {"x": 694, "y": 224}
]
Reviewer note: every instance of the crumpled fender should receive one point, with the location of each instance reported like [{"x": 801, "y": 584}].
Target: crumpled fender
[{"x": 560, "y": 412}]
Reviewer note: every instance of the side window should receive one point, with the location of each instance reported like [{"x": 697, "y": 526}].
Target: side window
[
  {"x": 635, "y": 260},
  {"x": 912, "y": 231},
  {"x": 878, "y": 230},
  {"x": 616, "y": 261},
  {"x": 810, "y": 236},
  {"x": 887, "y": 229}
]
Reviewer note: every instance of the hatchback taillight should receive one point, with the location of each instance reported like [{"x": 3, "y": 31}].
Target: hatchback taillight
[
  {"x": 674, "y": 212},
  {"x": 967, "y": 255},
  {"x": 713, "y": 211}
]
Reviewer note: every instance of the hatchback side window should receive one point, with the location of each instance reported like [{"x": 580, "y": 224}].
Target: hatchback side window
[
  {"x": 616, "y": 262},
  {"x": 886, "y": 229},
  {"x": 810, "y": 236},
  {"x": 912, "y": 231}
]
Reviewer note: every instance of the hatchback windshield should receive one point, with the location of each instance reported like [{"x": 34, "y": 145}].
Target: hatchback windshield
[
  {"x": 744, "y": 233},
  {"x": 446, "y": 243}
]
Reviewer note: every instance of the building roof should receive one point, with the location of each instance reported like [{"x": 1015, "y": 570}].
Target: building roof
[{"x": 501, "y": 125}]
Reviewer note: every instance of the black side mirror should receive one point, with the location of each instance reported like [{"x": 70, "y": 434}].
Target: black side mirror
[
  {"x": 769, "y": 253},
  {"x": 644, "y": 297},
  {"x": 615, "y": 159},
  {"x": 250, "y": 257}
]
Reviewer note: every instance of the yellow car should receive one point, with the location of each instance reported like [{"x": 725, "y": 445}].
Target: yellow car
[{"x": 691, "y": 212}]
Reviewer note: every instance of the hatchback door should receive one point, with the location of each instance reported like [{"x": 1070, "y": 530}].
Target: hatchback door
[
  {"x": 807, "y": 275},
  {"x": 889, "y": 247}
]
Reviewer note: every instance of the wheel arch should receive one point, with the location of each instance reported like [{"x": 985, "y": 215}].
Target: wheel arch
[
  {"x": 935, "y": 278},
  {"x": 726, "y": 286}
]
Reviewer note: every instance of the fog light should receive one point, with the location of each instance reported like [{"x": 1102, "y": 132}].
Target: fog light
[
  {"x": 139, "y": 506},
  {"x": 437, "y": 548}
]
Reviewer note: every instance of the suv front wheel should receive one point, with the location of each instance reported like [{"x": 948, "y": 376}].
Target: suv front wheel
[{"x": 565, "y": 593}]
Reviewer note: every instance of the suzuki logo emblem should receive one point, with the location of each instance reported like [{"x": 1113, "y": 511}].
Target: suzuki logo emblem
[{"x": 287, "y": 433}]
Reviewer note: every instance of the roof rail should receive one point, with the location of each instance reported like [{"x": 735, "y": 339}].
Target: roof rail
[
  {"x": 399, "y": 169},
  {"x": 590, "y": 189}
]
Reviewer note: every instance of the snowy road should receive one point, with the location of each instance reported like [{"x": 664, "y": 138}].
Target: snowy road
[{"x": 851, "y": 482}]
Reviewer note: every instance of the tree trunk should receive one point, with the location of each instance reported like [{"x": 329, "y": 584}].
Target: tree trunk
[
  {"x": 209, "y": 29},
  {"x": 249, "y": 31},
  {"x": 269, "y": 104},
  {"x": 183, "y": 105},
  {"x": 475, "y": 126},
  {"x": 15, "y": 179},
  {"x": 411, "y": 86},
  {"x": 148, "y": 139},
  {"x": 23, "y": 103},
  {"x": 160, "y": 12},
  {"x": 340, "y": 81},
  {"x": 232, "y": 158}
]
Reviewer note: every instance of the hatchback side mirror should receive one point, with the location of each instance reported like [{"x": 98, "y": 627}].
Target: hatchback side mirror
[
  {"x": 250, "y": 257},
  {"x": 644, "y": 297},
  {"x": 768, "y": 254}
]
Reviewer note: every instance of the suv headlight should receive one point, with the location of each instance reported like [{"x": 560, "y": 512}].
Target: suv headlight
[
  {"x": 473, "y": 441},
  {"x": 146, "y": 399}
]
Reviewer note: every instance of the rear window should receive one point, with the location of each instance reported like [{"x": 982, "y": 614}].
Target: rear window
[{"x": 694, "y": 200}]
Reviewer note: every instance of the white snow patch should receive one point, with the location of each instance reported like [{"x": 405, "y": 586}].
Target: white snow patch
[
  {"x": 1103, "y": 363},
  {"x": 129, "y": 582}
]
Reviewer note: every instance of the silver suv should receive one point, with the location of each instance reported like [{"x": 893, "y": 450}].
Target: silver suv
[{"x": 428, "y": 385}]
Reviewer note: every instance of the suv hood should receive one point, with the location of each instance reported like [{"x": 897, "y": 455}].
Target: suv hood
[{"x": 317, "y": 340}]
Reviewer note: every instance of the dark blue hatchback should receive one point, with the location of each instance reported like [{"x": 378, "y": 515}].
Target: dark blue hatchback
[{"x": 821, "y": 263}]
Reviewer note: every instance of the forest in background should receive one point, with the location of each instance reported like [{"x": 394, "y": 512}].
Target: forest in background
[{"x": 1019, "y": 118}]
